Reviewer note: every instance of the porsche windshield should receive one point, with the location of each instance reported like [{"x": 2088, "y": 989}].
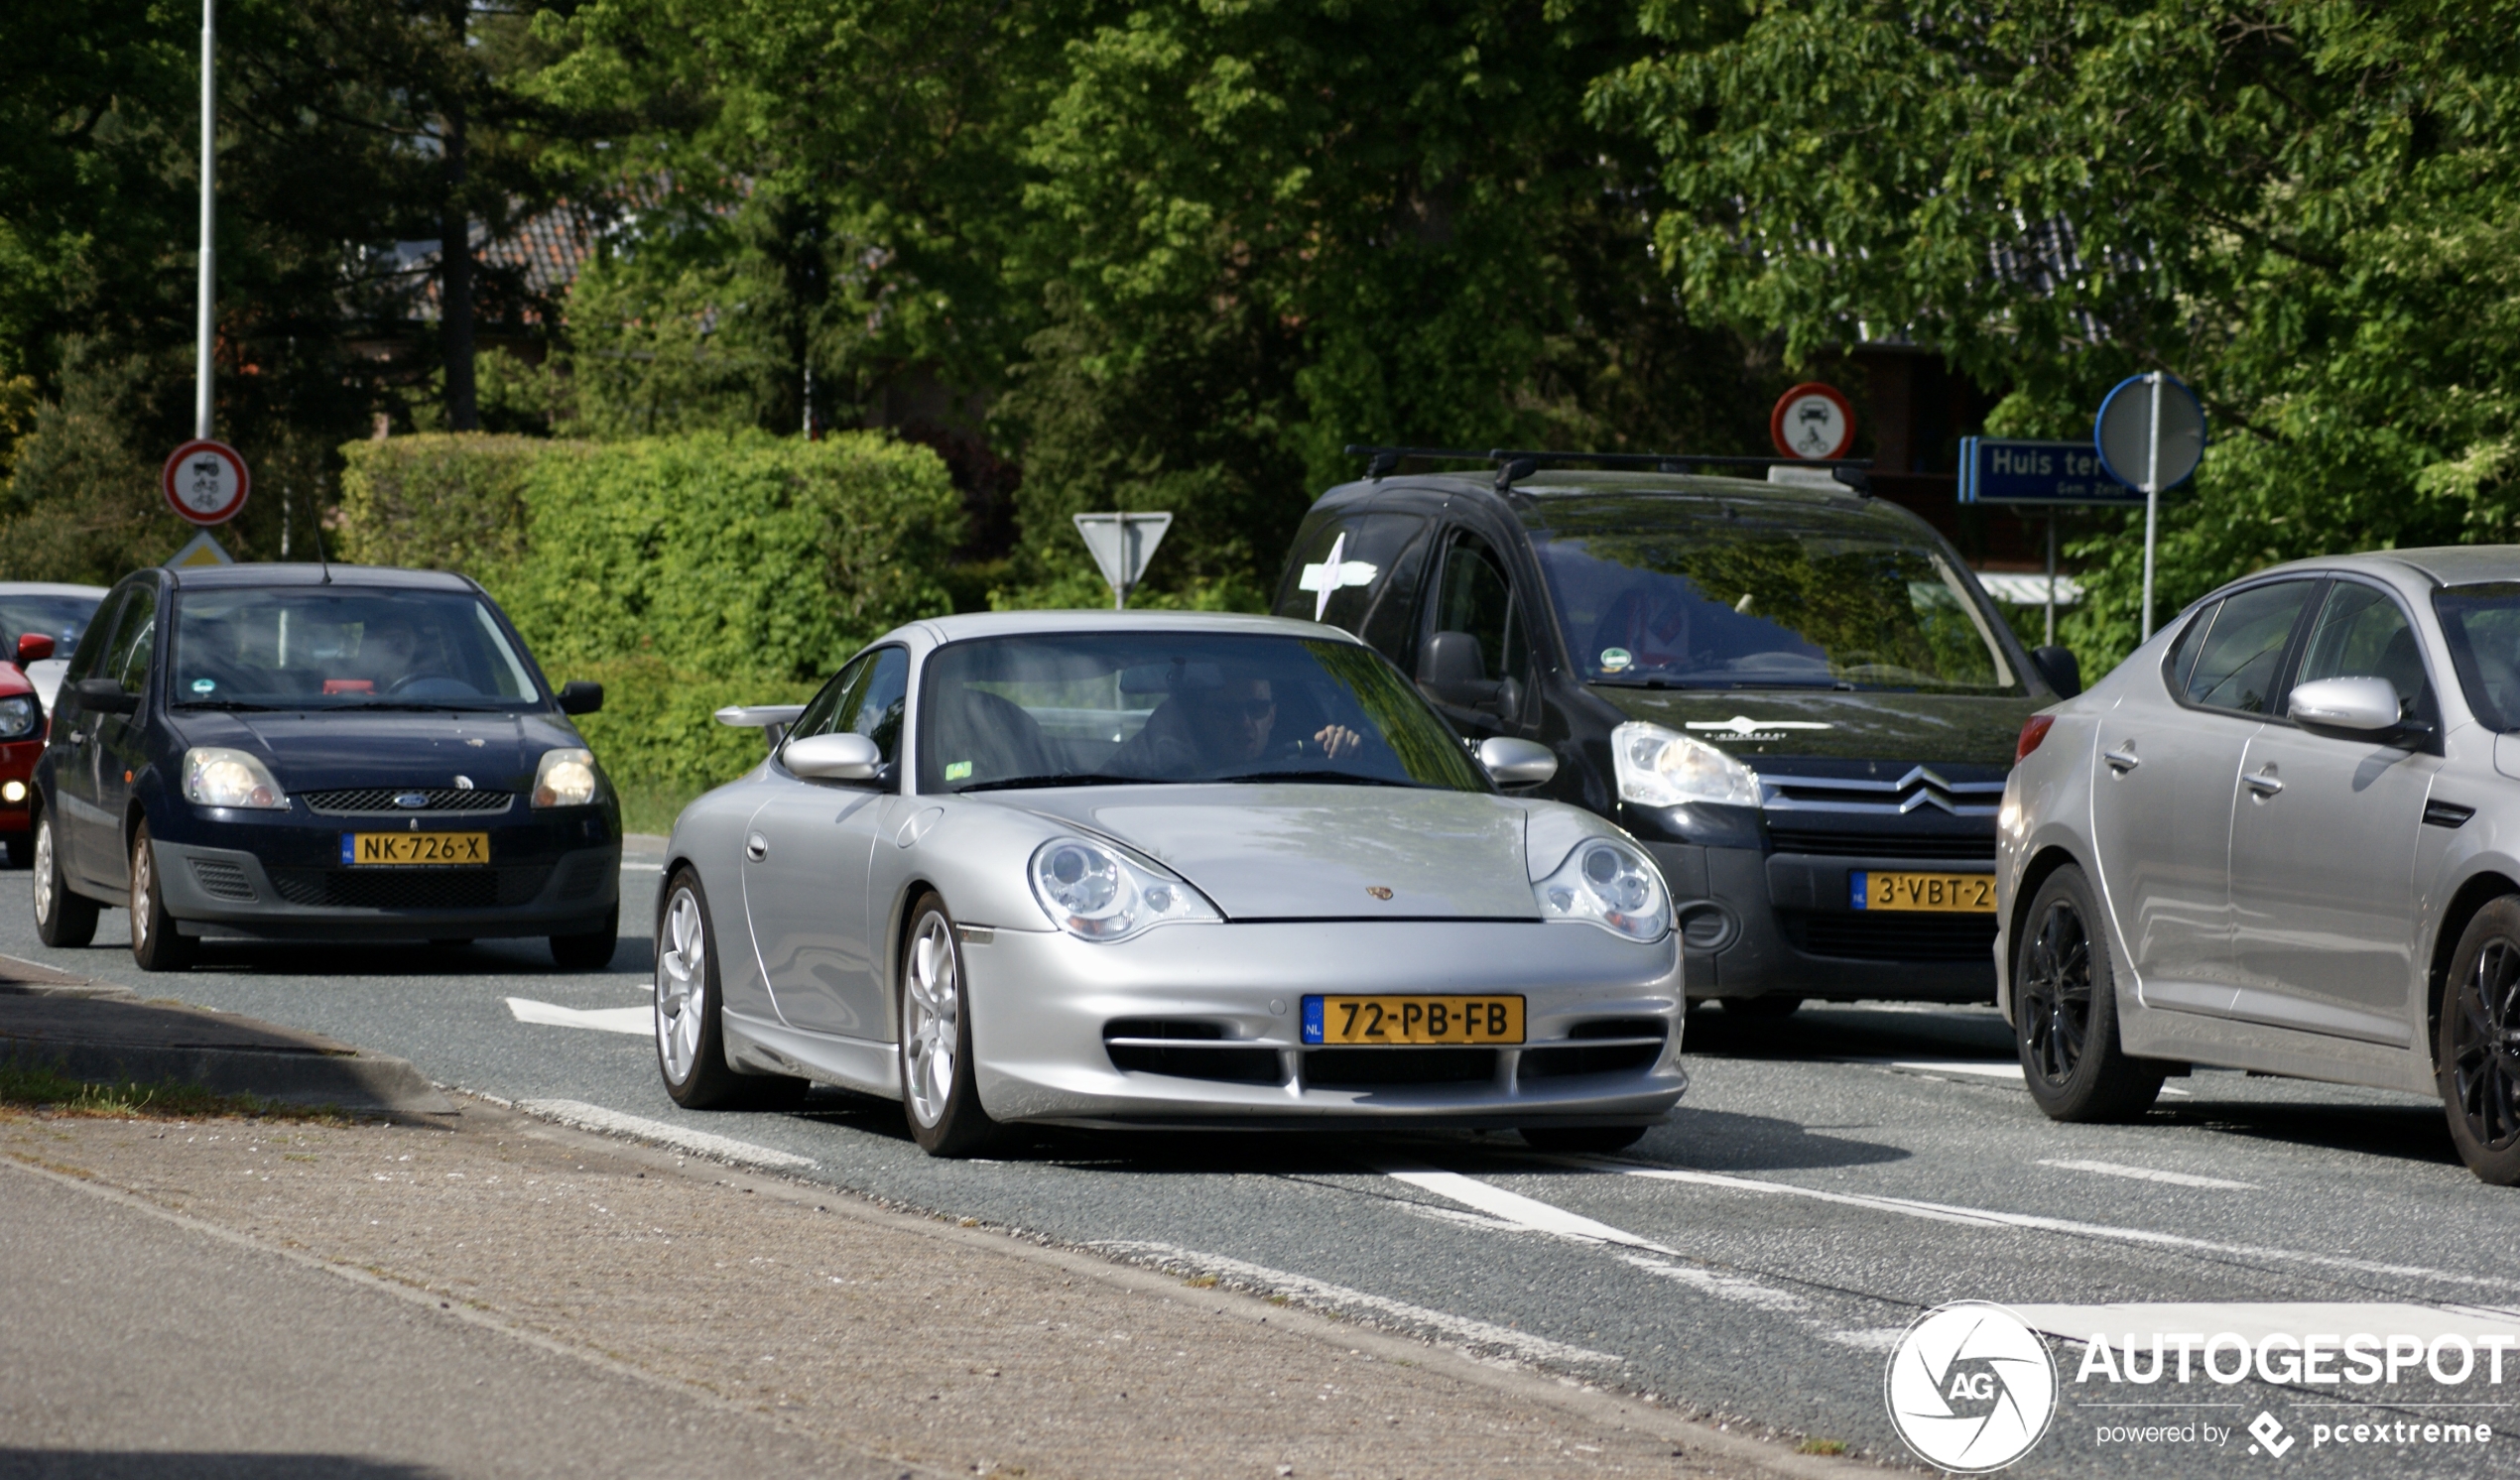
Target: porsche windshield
[
  {"x": 344, "y": 647},
  {"x": 1716, "y": 592},
  {"x": 1101, "y": 708}
]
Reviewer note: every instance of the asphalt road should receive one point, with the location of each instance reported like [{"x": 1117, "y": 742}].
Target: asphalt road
[{"x": 1828, "y": 1180}]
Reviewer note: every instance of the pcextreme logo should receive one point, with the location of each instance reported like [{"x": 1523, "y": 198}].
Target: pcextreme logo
[{"x": 1970, "y": 1387}]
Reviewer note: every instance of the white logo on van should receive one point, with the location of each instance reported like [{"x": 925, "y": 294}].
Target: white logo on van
[
  {"x": 1332, "y": 573},
  {"x": 1743, "y": 728}
]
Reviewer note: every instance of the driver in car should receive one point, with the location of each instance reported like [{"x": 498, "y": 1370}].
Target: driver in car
[{"x": 1225, "y": 728}]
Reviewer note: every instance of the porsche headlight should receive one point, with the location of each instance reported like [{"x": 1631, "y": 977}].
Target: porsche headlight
[
  {"x": 564, "y": 777},
  {"x": 214, "y": 776},
  {"x": 1094, "y": 893},
  {"x": 19, "y": 715},
  {"x": 1610, "y": 884},
  {"x": 1664, "y": 767}
]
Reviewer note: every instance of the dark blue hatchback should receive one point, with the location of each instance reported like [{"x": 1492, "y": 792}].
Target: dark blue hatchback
[{"x": 296, "y": 753}]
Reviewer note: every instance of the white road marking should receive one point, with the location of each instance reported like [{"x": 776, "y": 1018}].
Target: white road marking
[
  {"x": 2148, "y": 1174},
  {"x": 1943, "y": 1212},
  {"x": 2133, "y": 1327},
  {"x": 1311, "y": 1291},
  {"x": 588, "y": 1117},
  {"x": 1981, "y": 1069},
  {"x": 638, "y": 1022},
  {"x": 1741, "y": 1290},
  {"x": 1514, "y": 1207}
]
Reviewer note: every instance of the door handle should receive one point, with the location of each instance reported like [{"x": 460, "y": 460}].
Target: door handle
[
  {"x": 756, "y": 848},
  {"x": 2263, "y": 783},
  {"x": 2121, "y": 760}
]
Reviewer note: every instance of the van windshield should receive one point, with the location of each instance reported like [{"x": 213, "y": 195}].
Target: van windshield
[
  {"x": 1689, "y": 592},
  {"x": 344, "y": 647}
]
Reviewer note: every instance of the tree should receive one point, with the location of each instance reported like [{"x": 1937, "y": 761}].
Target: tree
[{"x": 2305, "y": 207}]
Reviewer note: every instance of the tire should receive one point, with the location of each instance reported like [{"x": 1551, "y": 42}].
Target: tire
[
  {"x": 938, "y": 1095},
  {"x": 592, "y": 952},
  {"x": 1583, "y": 1138},
  {"x": 2065, "y": 1011},
  {"x": 690, "y": 1041},
  {"x": 1765, "y": 1008},
  {"x": 2476, "y": 1066},
  {"x": 61, "y": 918},
  {"x": 22, "y": 851},
  {"x": 155, "y": 942}
]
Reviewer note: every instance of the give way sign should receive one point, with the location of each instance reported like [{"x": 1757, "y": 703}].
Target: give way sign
[{"x": 206, "y": 482}]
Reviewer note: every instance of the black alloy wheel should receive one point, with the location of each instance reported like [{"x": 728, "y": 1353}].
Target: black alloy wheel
[
  {"x": 2478, "y": 1048},
  {"x": 2065, "y": 1011}
]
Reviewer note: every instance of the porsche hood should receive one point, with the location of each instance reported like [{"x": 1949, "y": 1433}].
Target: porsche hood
[{"x": 1322, "y": 853}]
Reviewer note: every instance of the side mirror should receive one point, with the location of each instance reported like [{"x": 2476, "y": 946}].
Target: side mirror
[
  {"x": 105, "y": 696},
  {"x": 580, "y": 698},
  {"x": 33, "y": 647},
  {"x": 833, "y": 757},
  {"x": 2061, "y": 670},
  {"x": 2361, "y": 706},
  {"x": 1452, "y": 668},
  {"x": 1517, "y": 763}
]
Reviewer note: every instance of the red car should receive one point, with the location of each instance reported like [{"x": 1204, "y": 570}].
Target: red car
[{"x": 20, "y": 743}]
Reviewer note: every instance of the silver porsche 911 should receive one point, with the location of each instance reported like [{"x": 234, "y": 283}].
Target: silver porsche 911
[
  {"x": 2283, "y": 836},
  {"x": 1157, "y": 869}
]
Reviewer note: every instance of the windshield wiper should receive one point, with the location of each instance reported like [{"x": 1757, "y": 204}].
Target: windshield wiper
[
  {"x": 1333, "y": 778},
  {"x": 1066, "y": 779},
  {"x": 1838, "y": 684},
  {"x": 226, "y": 704},
  {"x": 420, "y": 707}
]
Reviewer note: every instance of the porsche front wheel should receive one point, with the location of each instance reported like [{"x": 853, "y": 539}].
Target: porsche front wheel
[{"x": 937, "y": 1089}]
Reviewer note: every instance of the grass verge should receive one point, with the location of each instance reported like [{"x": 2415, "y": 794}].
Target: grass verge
[
  {"x": 35, "y": 1087},
  {"x": 650, "y": 808}
]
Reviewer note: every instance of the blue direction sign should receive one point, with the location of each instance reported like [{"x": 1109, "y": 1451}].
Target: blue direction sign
[{"x": 2000, "y": 470}]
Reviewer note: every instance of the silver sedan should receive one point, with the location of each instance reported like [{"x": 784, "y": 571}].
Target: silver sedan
[
  {"x": 1122, "y": 869},
  {"x": 2284, "y": 836}
]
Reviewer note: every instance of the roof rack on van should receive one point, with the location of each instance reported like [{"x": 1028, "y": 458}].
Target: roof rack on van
[{"x": 1512, "y": 466}]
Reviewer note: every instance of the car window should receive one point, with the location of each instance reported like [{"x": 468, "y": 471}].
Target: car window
[
  {"x": 1366, "y": 582},
  {"x": 2360, "y": 633},
  {"x": 2482, "y": 624},
  {"x": 875, "y": 709},
  {"x": 2241, "y": 645},
  {"x": 90, "y": 657},
  {"x": 127, "y": 662},
  {"x": 816, "y": 719},
  {"x": 344, "y": 647},
  {"x": 1475, "y": 596},
  {"x": 64, "y": 619}
]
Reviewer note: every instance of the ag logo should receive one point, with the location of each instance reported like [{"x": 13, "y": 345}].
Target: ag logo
[{"x": 1971, "y": 1387}]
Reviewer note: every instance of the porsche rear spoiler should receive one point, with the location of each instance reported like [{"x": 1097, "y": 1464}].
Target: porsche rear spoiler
[{"x": 771, "y": 719}]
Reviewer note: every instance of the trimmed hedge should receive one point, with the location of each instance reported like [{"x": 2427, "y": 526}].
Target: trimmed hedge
[{"x": 683, "y": 573}]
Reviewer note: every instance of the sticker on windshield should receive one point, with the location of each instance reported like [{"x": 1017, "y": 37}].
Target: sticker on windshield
[
  {"x": 958, "y": 770},
  {"x": 1615, "y": 658},
  {"x": 204, "y": 685}
]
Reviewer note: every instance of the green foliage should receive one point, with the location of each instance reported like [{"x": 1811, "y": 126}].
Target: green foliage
[
  {"x": 2303, "y": 208},
  {"x": 683, "y": 573}
]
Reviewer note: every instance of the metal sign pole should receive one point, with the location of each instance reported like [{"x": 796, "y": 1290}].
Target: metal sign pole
[
  {"x": 2151, "y": 499},
  {"x": 2051, "y": 578},
  {"x": 210, "y": 182}
]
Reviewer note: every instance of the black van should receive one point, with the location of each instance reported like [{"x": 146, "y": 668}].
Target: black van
[{"x": 1796, "y": 695}]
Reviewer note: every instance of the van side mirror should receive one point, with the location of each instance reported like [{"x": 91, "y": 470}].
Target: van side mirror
[
  {"x": 2061, "y": 670},
  {"x": 33, "y": 647},
  {"x": 1452, "y": 667},
  {"x": 578, "y": 696}
]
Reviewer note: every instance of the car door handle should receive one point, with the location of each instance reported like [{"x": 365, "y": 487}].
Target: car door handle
[
  {"x": 2264, "y": 783},
  {"x": 2121, "y": 760},
  {"x": 756, "y": 848}
]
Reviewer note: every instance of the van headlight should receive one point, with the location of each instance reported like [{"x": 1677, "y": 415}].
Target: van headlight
[
  {"x": 1665, "y": 768},
  {"x": 1096, "y": 893},
  {"x": 214, "y": 776},
  {"x": 564, "y": 777},
  {"x": 1610, "y": 884}
]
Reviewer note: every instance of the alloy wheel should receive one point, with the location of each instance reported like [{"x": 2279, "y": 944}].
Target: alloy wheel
[
  {"x": 2485, "y": 1046},
  {"x": 682, "y": 986},
  {"x": 43, "y": 896},
  {"x": 143, "y": 891},
  {"x": 2055, "y": 993},
  {"x": 932, "y": 1001}
]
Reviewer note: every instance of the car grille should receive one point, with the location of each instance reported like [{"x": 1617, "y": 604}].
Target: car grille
[
  {"x": 1968, "y": 848},
  {"x": 1603, "y": 1045},
  {"x": 222, "y": 881},
  {"x": 1186, "y": 1049},
  {"x": 1371, "y": 1068},
  {"x": 1857, "y": 935},
  {"x": 360, "y": 802},
  {"x": 410, "y": 889}
]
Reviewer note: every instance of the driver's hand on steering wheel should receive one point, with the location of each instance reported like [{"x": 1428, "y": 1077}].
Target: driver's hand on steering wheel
[{"x": 1337, "y": 740}]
